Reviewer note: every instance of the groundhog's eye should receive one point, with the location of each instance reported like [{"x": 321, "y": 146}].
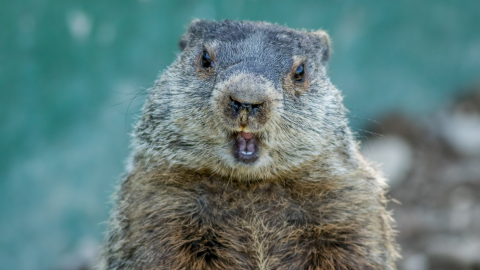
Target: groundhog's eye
[
  {"x": 205, "y": 60},
  {"x": 299, "y": 74}
]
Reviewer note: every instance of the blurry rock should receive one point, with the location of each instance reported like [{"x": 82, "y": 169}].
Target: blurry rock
[
  {"x": 460, "y": 123},
  {"x": 462, "y": 132},
  {"x": 393, "y": 153}
]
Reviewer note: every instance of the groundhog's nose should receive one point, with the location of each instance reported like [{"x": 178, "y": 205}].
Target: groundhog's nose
[
  {"x": 246, "y": 101},
  {"x": 239, "y": 106}
]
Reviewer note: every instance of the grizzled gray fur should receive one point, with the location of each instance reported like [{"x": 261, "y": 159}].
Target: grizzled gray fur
[{"x": 243, "y": 160}]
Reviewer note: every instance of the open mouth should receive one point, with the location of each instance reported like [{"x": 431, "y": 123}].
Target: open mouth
[{"x": 246, "y": 148}]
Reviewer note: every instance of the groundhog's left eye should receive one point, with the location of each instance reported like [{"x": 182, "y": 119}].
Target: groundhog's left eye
[
  {"x": 299, "y": 74},
  {"x": 206, "y": 61}
]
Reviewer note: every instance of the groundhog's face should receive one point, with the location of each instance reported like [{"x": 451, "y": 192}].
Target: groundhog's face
[{"x": 247, "y": 100}]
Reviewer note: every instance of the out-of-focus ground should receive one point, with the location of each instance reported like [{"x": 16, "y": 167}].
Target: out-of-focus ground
[{"x": 433, "y": 167}]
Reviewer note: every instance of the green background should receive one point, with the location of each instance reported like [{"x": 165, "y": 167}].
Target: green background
[{"x": 73, "y": 74}]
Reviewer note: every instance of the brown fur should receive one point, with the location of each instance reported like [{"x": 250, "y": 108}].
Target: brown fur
[{"x": 309, "y": 202}]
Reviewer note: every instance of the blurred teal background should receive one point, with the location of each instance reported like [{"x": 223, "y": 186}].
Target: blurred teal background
[{"x": 73, "y": 74}]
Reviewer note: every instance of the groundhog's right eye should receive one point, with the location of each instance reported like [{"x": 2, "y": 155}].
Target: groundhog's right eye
[
  {"x": 299, "y": 74},
  {"x": 206, "y": 61}
]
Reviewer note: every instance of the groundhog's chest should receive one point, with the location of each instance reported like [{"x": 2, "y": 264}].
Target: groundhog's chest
[{"x": 233, "y": 225}]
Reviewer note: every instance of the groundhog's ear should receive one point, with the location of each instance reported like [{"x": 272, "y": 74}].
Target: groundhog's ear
[
  {"x": 197, "y": 28},
  {"x": 183, "y": 42},
  {"x": 323, "y": 45}
]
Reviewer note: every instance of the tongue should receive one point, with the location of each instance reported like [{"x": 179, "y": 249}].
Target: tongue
[{"x": 246, "y": 136}]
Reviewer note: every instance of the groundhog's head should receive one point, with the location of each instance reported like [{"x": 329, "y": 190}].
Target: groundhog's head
[{"x": 244, "y": 99}]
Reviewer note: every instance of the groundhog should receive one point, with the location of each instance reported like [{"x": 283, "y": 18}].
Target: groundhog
[{"x": 243, "y": 159}]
